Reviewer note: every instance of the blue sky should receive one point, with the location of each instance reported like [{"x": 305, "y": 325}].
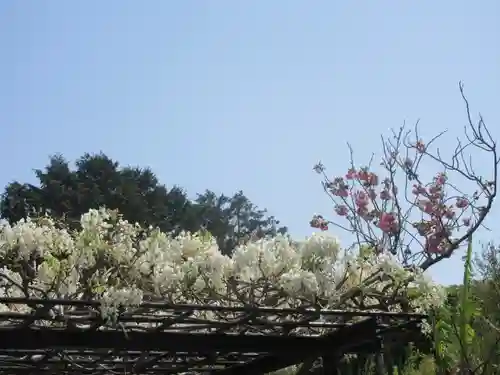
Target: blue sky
[{"x": 230, "y": 95}]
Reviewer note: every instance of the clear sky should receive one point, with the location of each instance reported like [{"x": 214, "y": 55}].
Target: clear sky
[{"x": 230, "y": 95}]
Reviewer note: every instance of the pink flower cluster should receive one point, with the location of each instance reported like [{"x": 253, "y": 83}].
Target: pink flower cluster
[
  {"x": 371, "y": 201},
  {"x": 319, "y": 222},
  {"x": 364, "y": 198},
  {"x": 442, "y": 216}
]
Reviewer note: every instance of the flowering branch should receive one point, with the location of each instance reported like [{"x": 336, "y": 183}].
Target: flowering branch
[{"x": 424, "y": 222}]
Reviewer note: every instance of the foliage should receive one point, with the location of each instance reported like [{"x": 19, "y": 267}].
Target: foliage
[
  {"x": 467, "y": 334},
  {"x": 235, "y": 220},
  {"x": 99, "y": 181},
  {"x": 487, "y": 267}
]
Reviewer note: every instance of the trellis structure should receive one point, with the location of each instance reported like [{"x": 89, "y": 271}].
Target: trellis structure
[{"x": 159, "y": 338}]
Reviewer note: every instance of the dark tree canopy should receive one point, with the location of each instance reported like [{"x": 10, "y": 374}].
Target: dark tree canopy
[
  {"x": 99, "y": 181},
  {"x": 235, "y": 219}
]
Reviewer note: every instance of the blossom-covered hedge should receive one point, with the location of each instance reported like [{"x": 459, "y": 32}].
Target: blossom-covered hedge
[{"x": 122, "y": 264}]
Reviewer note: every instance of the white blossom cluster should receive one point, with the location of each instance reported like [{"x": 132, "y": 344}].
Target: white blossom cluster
[{"x": 122, "y": 264}]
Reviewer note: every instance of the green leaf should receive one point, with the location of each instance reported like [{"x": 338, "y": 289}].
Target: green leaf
[
  {"x": 99, "y": 289},
  {"x": 470, "y": 334}
]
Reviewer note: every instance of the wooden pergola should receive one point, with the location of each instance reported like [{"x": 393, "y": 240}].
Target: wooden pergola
[{"x": 158, "y": 338}]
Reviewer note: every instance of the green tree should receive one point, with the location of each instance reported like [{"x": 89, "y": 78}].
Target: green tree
[
  {"x": 136, "y": 193},
  {"x": 233, "y": 220}
]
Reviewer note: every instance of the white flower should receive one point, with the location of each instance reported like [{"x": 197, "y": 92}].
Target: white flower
[{"x": 108, "y": 259}]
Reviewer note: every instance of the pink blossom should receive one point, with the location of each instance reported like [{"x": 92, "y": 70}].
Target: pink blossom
[
  {"x": 341, "y": 210},
  {"x": 363, "y": 175},
  {"x": 449, "y": 213},
  {"x": 372, "y": 179},
  {"x": 462, "y": 203},
  {"x": 385, "y": 195},
  {"x": 436, "y": 192},
  {"x": 351, "y": 174},
  {"x": 362, "y": 211},
  {"x": 441, "y": 179},
  {"x": 369, "y": 178},
  {"x": 419, "y": 190},
  {"x": 420, "y": 146},
  {"x": 388, "y": 223},
  {"x": 344, "y": 193},
  {"x": 433, "y": 243},
  {"x": 319, "y": 222},
  {"x": 435, "y": 189},
  {"x": 426, "y": 206},
  {"x": 361, "y": 199},
  {"x": 431, "y": 198}
]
